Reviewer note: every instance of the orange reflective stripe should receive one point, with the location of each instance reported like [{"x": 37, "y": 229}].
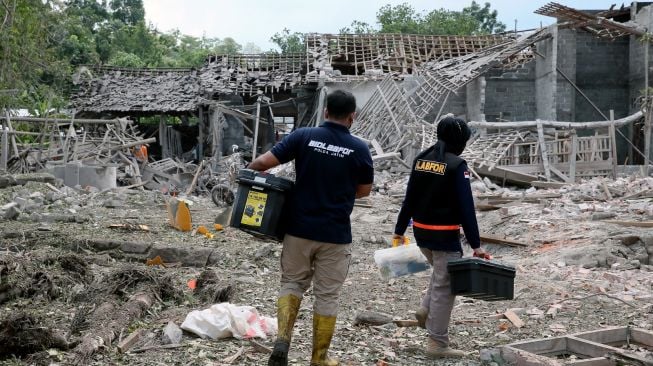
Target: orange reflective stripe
[{"x": 436, "y": 227}]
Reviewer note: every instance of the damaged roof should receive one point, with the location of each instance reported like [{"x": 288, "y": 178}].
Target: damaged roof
[{"x": 107, "y": 89}]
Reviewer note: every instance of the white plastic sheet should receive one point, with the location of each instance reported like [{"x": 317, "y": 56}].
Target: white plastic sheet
[{"x": 226, "y": 320}]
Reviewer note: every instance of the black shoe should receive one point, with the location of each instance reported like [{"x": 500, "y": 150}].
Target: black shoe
[{"x": 279, "y": 356}]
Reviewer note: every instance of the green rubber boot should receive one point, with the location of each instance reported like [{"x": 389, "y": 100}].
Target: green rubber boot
[{"x": 287, "y": 309}]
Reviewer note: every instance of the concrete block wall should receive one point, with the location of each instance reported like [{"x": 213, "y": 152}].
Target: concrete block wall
[
  {"x": 602, "y": 74},
  {"x": 510, "y": 94},
  {"x": 456, "y": 104}
]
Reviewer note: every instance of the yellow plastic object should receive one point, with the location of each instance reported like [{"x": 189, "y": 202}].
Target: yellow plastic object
[
  {"x": 179, "y": 214},
  {"x": 395, "y": 242}
]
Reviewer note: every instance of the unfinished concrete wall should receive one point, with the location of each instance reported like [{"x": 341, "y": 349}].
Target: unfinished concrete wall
[
  {"x": 602, "y": 75},
  {"x": 545, "y": 76},
  {"x": 511, "y": 94},
  {"x": 362, "y": 90}
]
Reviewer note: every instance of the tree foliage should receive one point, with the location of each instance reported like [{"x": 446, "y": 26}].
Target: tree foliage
[
  {"x": 486, "y": 18},
  {"x": 289, "y": 42},
  {"x": 403, "y": 18},
  {"x": 43, "y": 41}
]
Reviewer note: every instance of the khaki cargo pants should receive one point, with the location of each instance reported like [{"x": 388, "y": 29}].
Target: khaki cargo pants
[
  {"x": 438, "y": 299},
  {"x": 325, "y": 264}
]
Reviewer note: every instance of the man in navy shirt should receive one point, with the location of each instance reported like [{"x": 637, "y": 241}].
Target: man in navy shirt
[
  {"x": 439, "y": 200},
  {"x": 333, "y": 168}
]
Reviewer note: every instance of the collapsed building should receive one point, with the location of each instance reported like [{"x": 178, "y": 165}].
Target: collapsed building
[{"x": 588, "y": 69}]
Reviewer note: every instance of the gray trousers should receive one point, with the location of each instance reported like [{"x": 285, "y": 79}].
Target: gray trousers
[
  {"x": 438, "y": 299},
  {"x": 325, "y": 264}
]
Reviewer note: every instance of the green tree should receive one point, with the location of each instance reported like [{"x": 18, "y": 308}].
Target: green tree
[
  {"x": 487, "y": 18},
  {"x": 124, "y": 59},
  {"x": 130, "y": 12},
  {"x": 30, "y": 69},
  {"x": 447, "y": 22},
  {"x": 358, "y": 27},
  {"x": 289, "y": 42},
  {"x": 403, "y": 18},
  {"x": 251, "y": 49},
  {"x": 228, "y": 46},
  {"x": 400, "y": 18}
]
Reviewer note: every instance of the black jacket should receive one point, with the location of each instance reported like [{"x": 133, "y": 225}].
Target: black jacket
[{"x": 439, "y": 200}]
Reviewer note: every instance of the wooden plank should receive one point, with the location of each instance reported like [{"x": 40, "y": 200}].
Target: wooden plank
[
  {"x": 594, "y": 361},
  {"x": 377, "y": 147},
  {"x": 542, "y": 346},
  {"x": 613, "y": 144},
  {"x": 604, "y": 336},
  {"x": 387, "y": 106},
  {"x": 4, "y": 148},
  {"x": 572, "y": 156},
  {"x": 12, "y": 138},
  {"x": 386, "y": 156},
  {"x": 131, "y": 340},
  {"x": 587, "y": 348},
  {"x": 514, "y": 319},
  {"x": 606, "y": 190},
  {"x": 560, "y": 175},
  {"x": 646, "y": 224},
  {"x": 642, "y": 336},
  {"x": 543, "y": 152},
  {"x": 495, "y": 239},
  {"x": 547, "y": 185}
]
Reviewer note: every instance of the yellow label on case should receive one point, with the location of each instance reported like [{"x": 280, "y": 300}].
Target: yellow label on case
[{"x": 254, "y": 209}]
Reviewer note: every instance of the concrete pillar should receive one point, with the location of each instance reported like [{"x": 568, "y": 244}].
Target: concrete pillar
[
  {"x": 565, "y": 97},
  {"x": 71, "y": 174},
  {"x": 476, "y": 100},
  {"x": 546, "y": 76},
  {"x": 100, "y": 177}
]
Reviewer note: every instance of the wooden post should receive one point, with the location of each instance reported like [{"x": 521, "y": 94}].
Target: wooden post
[
  {"x": 543, "y": 153},
  {"x": 647, "y": 141},
  {"x": 647, "y": 119},
  {"x": 572, "y": 157},
  {"x": 4, "y": 148},
  {"x": 163, "y": 140},
  {"x": 13, "y": 137},
  {"x": 256, "y": 123},
  {"x": 202, "y": 125},
  {"x": 613, "y": 143}
]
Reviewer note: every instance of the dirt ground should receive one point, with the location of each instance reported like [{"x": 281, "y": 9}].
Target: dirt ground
[{"x": 57, "y": 279}]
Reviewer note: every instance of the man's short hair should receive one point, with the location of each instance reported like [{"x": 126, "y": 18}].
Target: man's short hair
[{"x": 340, "y": 104}]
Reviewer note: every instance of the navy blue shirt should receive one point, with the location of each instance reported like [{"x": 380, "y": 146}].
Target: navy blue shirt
[{"x": 330, "y": 163}]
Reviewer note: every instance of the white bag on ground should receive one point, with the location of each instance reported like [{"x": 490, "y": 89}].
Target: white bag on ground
[
  {"x": 227, "y": 320},
  {"x": 400, "y": 261}
]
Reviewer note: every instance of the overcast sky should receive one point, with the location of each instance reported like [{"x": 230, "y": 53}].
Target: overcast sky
[{"x": 257, "y": 20}]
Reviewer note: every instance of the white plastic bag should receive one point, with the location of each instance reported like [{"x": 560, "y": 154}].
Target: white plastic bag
[
  {"x": 226, "y": 320},
  {"x": 400, "y": 261}
]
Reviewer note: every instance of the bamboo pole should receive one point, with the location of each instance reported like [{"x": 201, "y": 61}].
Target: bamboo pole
[{"x": 256, "y": 124}]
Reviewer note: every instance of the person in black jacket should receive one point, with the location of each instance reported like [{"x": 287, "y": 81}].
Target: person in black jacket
[{"x": 439, "y": 200}]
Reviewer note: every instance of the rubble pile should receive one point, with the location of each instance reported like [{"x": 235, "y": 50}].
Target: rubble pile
[
  {"x": 235, "y": 74},
  {"x": 576, "y": 272},
  {"x": 123, "y": 90}
]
